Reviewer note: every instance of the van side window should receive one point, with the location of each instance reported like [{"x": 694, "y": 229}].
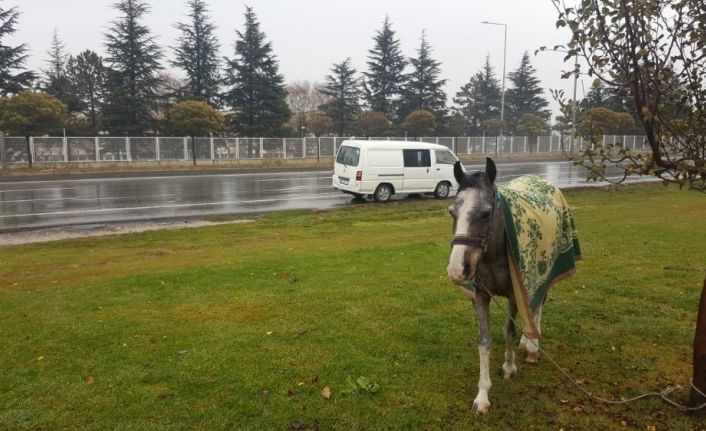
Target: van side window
[
  {"x": 416, "y": 158},
  {"x": 348, "y": 156},
  {"x": 443, "y": 156}
]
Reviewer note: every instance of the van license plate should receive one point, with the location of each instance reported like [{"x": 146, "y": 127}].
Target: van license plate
[{"x": 343, "y": 180}]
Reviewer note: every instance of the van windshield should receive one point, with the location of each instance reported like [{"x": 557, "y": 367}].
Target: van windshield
[{"x": 348, "y": 156}]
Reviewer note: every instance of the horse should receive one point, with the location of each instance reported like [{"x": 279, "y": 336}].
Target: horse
[{"x": 479, "y": 255}]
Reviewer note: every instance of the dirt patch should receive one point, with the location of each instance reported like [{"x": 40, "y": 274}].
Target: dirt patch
[{"x": 86, "y": 231}]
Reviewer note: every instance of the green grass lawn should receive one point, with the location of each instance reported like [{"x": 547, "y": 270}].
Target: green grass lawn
[{"x": 242, "y": 326}]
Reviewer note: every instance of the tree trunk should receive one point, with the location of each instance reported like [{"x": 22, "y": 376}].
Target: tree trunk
[
  {"x": 193, "y": 148},
  {"x": 29, "y": 152},
  {"x": 699, "y": 378}
]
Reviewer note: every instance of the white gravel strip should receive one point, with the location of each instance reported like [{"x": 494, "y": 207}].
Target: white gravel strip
[{"x": 93, "y": 230}]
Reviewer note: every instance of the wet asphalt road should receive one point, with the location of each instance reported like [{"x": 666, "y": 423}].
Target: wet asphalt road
[{"x": 58, "y": 202}]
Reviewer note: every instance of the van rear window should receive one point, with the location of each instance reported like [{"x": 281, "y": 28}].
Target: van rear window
[{"x": 348, "y": 156}]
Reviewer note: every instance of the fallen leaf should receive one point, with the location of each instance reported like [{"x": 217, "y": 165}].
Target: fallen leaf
[
  {"x": 265, "y": 392},
  {"x": 314, "y": 379},
  {"x": 269, "y": 332},
  {"x": 41, "y": 358},
  {"x": 290, "y": 393},
  {"x": 300, "y": 384},
  {"x": 623, "y": 423},
  {"x": 182, "y": 352},
  {"x": 577, "y": 410},
  {"x": 90, "y": 380},
  {"x": 651, "y": 428},
  {"x": 326, "y": 393}
]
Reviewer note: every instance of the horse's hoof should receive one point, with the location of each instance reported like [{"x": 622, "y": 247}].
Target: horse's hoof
[
  {"x": 532, "y": 357},
  {"x": 481, "y": 408},
  {"x": 509, "y": 374}
]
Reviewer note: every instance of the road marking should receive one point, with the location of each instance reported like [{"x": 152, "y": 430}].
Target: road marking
[
  {"x": 287, "y": 179},
  {"x": 286, "y": 189},
  {"x": 86, "y": 199},
  {"x": 104, "y": 210},
  {"x": 78, "y": 180},
  {"x": 38, "y": 190}
]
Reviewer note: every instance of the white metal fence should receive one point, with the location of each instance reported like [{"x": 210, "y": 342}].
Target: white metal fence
[{"x": 155, "y": 149}]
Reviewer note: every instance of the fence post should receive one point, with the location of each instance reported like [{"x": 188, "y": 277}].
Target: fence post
[
  {"x": 157, "y": 150},
  {"x": 524, "y": 148},
  {"x": 97, "y": 149},
  {"x": 213, "y": 153},
  {"x": 482, "y": 145},
  {"x": 284, "y": 148},
  {"x": 261, "y": 147},
  {"x": 186, "y": 148},
  {"x": 2, "y": 149},
  {"x": 65, "y": 148},
  {"x": 31, "y": 149},
  {"x": 128, "y": 152},
  {"x": 304, "y": 148},
  {"x": 237, "y": 148}
]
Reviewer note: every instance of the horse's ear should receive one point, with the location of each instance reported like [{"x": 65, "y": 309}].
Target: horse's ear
[
  {"x": 459, "y": 174},
  {"x": 490, "y": 170}
]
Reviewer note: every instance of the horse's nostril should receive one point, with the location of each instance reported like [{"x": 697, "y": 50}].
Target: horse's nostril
[{"x": 466, "y": 270}]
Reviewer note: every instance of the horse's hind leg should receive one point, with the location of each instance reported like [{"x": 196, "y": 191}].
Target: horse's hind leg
[
  {"x": 481, "y": 404},
  {"x": 509, "y": 367},
  {"x": 532, "y": 344}
]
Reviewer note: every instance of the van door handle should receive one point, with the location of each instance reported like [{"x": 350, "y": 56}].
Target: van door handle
[{"x": 438, "y": 169}]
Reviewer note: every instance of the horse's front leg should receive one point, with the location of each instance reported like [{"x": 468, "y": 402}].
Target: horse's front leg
[
  {"x": 509, "y": 367},
  {"x": 481, "y": 404}
]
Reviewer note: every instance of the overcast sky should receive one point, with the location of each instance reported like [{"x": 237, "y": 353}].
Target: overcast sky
[{"x": 308, "y": 36}]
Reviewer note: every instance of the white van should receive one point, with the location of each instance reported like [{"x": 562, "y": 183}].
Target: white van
[{"x": 382, "y": 168}]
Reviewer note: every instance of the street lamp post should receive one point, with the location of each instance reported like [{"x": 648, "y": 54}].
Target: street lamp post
[
  {"x": 573, "y": 100},
  {"x": 502, "y": 94}
]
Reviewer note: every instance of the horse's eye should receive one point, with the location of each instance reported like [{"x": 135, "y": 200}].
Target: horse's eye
[{"x": 485, "y": 215}]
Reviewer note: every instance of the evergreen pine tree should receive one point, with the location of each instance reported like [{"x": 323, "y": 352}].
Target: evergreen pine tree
[
  {"x": 197, "y": 54},
  {"x": 87, "y": 75},
  {"x": 12, "y": 58},
  {"x": 525, "y": 96},
  {"x": 133, "y": 78},
  {"x": 257, "y": 92},
  {"x": 343, "y": 88},
  {"x": 602, "y": 96},
  {"x": 385, "y": 79},
  {"x": 423, "y": 89},
  {"x": 479, "y": 100},
  {"x": 56, "y": 82}
]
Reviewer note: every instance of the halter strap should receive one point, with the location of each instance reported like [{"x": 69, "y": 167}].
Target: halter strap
[{"x": 470, "y": 241}]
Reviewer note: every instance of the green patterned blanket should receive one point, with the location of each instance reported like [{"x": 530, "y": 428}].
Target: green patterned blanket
[{"x": 542, "y": 242}]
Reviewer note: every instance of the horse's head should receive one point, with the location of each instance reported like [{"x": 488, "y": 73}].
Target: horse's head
[{"x": 473, "y": 212}]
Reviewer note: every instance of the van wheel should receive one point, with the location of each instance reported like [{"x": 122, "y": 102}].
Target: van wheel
[
  {"x": 442, "y": 190},
  {"x": 383, "y": 193}
]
